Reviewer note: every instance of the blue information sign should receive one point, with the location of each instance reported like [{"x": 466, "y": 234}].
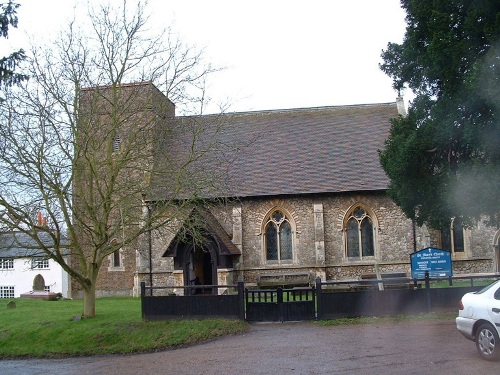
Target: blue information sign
[{"x": 435, "y": 261}]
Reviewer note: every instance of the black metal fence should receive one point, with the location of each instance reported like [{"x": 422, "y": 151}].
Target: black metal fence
[
  {"x": 193, "y": 306},
  {"x": 327, "y": 300},
  {"x": 390, "y": 296}
]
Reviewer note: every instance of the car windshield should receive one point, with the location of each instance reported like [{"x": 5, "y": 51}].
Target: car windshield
[{"x": 487, "y": 287}]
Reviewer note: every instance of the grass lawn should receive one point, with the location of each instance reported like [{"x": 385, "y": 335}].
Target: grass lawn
[
  {"x": 461, "y": 283},
  {"x": 445, "y": 315},
  {"x": 38, "y": 328}
]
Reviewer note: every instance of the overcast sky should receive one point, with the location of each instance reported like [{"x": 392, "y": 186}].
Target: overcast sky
[{"x": 278, "y": 53}]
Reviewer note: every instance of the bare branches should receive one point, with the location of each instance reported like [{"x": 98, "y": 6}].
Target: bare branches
[{"x": 79, "y": 139}]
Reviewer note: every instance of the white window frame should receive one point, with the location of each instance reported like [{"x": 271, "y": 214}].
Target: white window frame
[
  {"x": 40, "y": 264},
  {"x": 6, "y": 263},
  {"x": 7, "y": 291}
]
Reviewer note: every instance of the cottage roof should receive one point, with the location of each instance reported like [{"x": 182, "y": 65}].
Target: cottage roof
[
  {"x": 19, "y": 245},
  {"x": 295, "y": 151}
]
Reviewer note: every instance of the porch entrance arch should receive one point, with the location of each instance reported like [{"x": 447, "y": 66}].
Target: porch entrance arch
[
  {"x": 201, "y": 260},
  {"x": 200, "y": 268}
]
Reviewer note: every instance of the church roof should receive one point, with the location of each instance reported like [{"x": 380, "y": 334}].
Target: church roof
[{"x": 295, "y": 151}]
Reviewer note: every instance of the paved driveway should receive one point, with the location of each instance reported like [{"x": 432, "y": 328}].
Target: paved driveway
[{"x": 294, "y": 348}]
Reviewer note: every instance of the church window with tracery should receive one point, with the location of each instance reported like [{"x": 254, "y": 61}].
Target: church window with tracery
[
  {"x": 359, "y": 234},
  {"x": 278, "y": 237}
]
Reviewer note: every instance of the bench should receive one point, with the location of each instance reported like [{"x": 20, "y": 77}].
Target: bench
[
  {"x": 286, "y": 279},
  {"x": 397, "y": 280}
]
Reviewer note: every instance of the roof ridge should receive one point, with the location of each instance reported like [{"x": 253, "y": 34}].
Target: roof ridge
[{"x": 297, "y": 109}]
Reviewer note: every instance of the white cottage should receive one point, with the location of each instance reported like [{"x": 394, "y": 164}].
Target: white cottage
[{"x": 21, "y": 263}]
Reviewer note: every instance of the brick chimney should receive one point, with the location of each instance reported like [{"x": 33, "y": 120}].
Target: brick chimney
[{"x": 41, "y": 220}]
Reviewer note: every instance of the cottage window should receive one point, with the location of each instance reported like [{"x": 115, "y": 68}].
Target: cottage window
[
  {"x": 40, "y": 263},
  {"x": 359, "y": 234},
  {"x": 6, "y": 292},
  {"x": 278, "y": 239},
  {"x": 6, "y": 264}
]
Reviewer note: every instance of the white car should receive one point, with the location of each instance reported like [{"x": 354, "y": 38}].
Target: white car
[{"x": 479, "y": 320}]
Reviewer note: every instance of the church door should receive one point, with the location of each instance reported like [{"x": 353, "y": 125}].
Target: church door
[{"x": 201, "y": 270}]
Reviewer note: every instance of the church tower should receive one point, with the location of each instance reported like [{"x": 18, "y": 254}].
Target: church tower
[{"x": 117, "y": 130}]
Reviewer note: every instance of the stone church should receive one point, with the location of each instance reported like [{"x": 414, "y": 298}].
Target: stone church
[{"x": 304, "y": 196}]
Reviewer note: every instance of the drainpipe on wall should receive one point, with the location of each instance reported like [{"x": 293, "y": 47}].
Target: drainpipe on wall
[
  {"x": 414, "y": 236},
  {"x": 150, "y": 251}
]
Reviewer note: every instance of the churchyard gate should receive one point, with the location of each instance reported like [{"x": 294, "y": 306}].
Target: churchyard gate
[
  {"x": 258, "y": 305},
  {"x": 280, "y": 305},
  {"x": 324, "y": 300}
]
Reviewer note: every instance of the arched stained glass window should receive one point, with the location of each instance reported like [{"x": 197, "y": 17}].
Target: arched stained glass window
[
  {"x": 359, "y": 231},
  {"x": 367, "y": 237},
  {"x": 458, "y": 236},
  {"x": 286, "y": 240},
  {"x": 352, "y": 238},
  {"x": 278, "y": 237},
  {"x": 452, "y": 237},
  {"x": 272, "y": 241},
  {"x": 116, "y": 259}
]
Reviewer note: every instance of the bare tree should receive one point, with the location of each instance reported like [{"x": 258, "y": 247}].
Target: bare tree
[{"x": 78, "y": 141}]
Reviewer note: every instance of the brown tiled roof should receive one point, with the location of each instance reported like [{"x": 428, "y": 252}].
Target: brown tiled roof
[{"x": 296, "y": 151}]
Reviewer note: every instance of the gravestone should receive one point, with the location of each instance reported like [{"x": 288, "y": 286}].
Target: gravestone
[
  {"x": 39, "y": 283},
  {"x": 39, "y": 290},
  {"x": 11, "y": 305}
]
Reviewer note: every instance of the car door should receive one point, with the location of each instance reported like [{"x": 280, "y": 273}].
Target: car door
[{"x": 494, "y": 306}]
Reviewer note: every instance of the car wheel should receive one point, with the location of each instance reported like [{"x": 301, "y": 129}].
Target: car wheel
[{"x": 487, "y": 342}]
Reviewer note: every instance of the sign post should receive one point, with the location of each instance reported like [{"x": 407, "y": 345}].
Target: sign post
[{"x": 435, "y": 261}]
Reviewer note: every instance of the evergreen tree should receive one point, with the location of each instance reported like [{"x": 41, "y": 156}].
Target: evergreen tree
[
  {"x": 8, "y": 64},
  {"x": 443, "y": 159}
]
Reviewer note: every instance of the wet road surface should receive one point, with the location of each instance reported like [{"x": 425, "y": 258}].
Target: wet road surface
[{"x": 294, "y": 348}]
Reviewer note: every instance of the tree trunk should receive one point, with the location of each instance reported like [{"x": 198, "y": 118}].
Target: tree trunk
[{"x": 89, "y": 301}]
